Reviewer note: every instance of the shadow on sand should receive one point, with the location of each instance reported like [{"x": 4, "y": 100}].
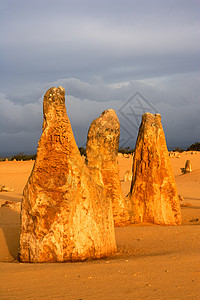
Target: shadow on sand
[{"x": 9, "y": 234}]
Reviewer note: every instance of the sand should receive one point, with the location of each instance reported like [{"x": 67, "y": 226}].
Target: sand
[{"x": 152, "y": 262}]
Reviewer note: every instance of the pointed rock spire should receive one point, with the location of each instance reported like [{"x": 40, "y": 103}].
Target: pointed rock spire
[
  {"x": 102, "y": 151},
  {"x": 153, "y": 196},
  {"x": 65, "y": 215}
]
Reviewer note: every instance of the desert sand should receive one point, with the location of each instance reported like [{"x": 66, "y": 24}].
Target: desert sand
[{"x": 152, "y": 261}]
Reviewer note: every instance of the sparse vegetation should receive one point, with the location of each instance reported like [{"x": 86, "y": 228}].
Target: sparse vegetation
[
  {"x": 82, "y": 151},
  {"x": 178, "y": 149},
  {"x": 22, "y": 156},
  {"x": 126, "y": 150},
  {"x": 183, "y": 171},
  {"x": 194, "y": 147},
  {"x": 123, "y": 150}
]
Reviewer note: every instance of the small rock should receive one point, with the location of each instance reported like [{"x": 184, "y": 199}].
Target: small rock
[
  {"x": 185, "y": 204},
  {"x": 127, "y": 176},
  {"x": 4, "y": 188},
  {"x": 194, "y": 220},
  {"x": 180, "y": 198},
  {"x": 188, "y": 166},
  {"x": 16, "y": 206}
]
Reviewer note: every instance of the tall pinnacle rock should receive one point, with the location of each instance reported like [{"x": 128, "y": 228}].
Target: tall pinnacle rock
[
  {"x": 102, "y": 150},
  {"x": 65, "y": 215},
  {"x": 153, "y": 196}
]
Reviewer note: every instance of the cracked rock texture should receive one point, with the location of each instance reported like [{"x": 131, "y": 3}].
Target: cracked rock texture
[
  {"x": 153, "y": 196},
  {"x": 102, "y": 152},
  {"x": 65, "y": 215}
]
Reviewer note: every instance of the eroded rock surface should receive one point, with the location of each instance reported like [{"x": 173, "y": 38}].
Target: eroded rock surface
[
  {"x": 65, "y": 215},
  {"x": 102, "y": 151},
  {"x": 153, "y": 197}
]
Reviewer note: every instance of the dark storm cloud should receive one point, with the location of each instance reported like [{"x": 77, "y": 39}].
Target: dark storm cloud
[
  {"x": 176, "y": 99},
  {"x": 86, "y": 46},
  {"x": 15, "y": 118},
  {"x": 110, "y": 38}
]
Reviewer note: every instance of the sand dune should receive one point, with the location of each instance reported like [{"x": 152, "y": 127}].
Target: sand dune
[{"x": 152, "y": 262}]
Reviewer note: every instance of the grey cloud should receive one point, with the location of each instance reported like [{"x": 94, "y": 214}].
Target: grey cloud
[
  {"x": 114, "y": 9},
  {"x": 15, "y": 118},
  {"x": 181, "y": 124},
  {"x": 114, "y": 39},
  {"x": 168, "y": 96},
  {"x": 86, "y": 101},
  {"x": 90, "y": 47},
  {"x": 23, "y": 141}
]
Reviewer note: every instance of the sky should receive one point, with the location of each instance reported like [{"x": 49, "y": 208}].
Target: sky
[{"x": 132, "y": 56}]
